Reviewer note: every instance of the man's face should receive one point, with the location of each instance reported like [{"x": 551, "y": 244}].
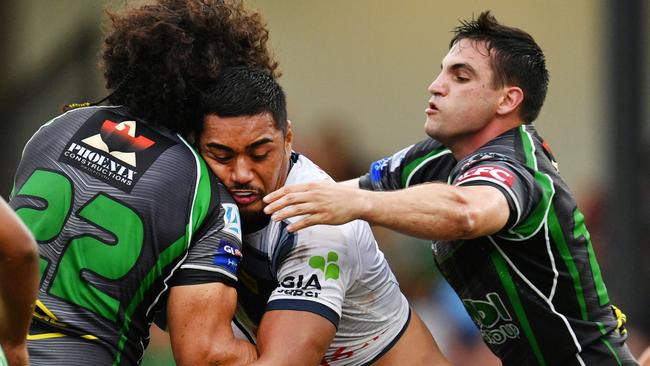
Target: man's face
[
  {"x": 249, "y": 155},
  {"x": 463, "y": 100}
]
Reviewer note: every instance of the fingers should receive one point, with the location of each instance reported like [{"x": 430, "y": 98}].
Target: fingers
[
  {"x": 283, "y": 191},
  {"x": 275, "y": 195},
  {"x": 290, "y": 210},
  {"x": 302, "y": 224}
]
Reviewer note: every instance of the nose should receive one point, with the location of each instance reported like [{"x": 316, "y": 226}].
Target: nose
[
  {"x": 438, "y": 87},
  {"x": 241, "y": 172}
]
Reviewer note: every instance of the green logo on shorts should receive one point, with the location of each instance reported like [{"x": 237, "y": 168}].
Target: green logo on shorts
[{"x": 329, "y": 266}]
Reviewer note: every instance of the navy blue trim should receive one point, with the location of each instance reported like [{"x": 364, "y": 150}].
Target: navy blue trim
[
  {"x": 306, "y": 305},
  {"x": 193, "y": 276},
  {"x": 392, "y": 343}
]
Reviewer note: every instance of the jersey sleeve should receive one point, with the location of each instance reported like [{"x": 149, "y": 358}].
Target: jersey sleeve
[
  {"x": 315, "y": 275},
  {"x": 517, "y": 184},
  {"x": 215, "y": 250},
  {"x": 426, "y": 161}
]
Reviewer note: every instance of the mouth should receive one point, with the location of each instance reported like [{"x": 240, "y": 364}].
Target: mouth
[
  {"x": 431, "y": 109},
  {"x": 244, "y": 197}
]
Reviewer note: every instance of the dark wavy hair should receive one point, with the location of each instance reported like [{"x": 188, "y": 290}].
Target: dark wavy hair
[
  {"x": 160, "y": 58},
  {"x": 516, "y": 59}
]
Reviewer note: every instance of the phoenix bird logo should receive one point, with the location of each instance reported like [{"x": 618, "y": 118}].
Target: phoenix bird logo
[
  {"x": 119, "y": 137},
  {"x": 119, "y": 140}
]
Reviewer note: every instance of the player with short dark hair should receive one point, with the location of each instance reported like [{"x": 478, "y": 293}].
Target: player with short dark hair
[
  {"x": 18, "y": 285},
  {"x": 322, "y": 296},
  {"x": 508, "y": 235},
  {"x": 127, "y": 215}
]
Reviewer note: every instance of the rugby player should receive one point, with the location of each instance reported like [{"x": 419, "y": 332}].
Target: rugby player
[
  {"x": 324, "y": 296},
  {"x": 18, "y": 285},
  {"x": 507, "y": 233},
  {"x": 124, "y": 209}
]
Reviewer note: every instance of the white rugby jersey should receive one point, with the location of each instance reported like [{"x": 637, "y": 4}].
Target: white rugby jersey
[{"x": 337, "y": 272}]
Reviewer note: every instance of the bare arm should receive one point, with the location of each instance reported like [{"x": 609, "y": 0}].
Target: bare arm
[
  {"x": 644, "y": 359},
  {"x": 199, "y": 319},
  {"x": 352, "y": 183},
  {"x": 431, "y": 211},
  {"x": 18, "y": 284},
  {"x": 287, "y": 337}
]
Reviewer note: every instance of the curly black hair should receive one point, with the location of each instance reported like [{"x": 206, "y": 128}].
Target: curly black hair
[{"x": 159, "y": 59}]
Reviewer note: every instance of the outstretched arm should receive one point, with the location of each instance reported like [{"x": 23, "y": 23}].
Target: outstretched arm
[
  {"x": 644, "y": 359},
  {"x": 18, "y": 284},
  {"x": 432, "y": 211},
  {"x": 290, "y": 337},
  {"x": 199, "y": 319}
]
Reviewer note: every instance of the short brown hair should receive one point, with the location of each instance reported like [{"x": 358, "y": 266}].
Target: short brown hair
[{"x": 515, "y": 57}]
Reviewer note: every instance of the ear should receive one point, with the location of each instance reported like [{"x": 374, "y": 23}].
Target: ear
[
  {"x": 511, "y": 100},
  {"x": 288, "y": 138}
]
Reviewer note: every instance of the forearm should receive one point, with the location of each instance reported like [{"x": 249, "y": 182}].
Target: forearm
[
  {"x": 199, "y": 318},
  {"x": 233, "y": 352},
  {"x": 432, "y": 211},
  {"x": 18, "y": 286},
  {"x": 289, "y": 338}
]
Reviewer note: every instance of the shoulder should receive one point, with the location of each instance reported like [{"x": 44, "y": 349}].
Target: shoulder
[{"x": 304, "y": 170}]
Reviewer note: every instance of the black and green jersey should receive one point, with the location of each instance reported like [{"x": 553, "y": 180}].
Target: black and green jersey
[
  {"x": 534, "y": 289},
  {"x": 121, "y": 212}
]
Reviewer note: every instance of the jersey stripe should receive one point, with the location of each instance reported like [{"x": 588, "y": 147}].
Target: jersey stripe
[
  {"x": 533, "y": 223},
  {"x": 548, "y": 193},
  {"x": 579, "y": 229},
  {"x": 165, "y": 258},
  {"x": 418, "y": 163},
  {"x": 202, "y": 194},
  {"x": 210, "y": 269},
  {"x": 199, "y": 210},
  {"x": 511, "y": 291},
  {"x": 607, "y": 344},
  {"x": 565, "y": 254}
]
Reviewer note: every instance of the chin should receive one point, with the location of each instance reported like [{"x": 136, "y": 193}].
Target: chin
[
  {"x": 251, "y": 211},
  {"x": 431, "y": 129}
]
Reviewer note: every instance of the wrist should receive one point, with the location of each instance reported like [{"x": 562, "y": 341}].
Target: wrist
[{"x": 365, "y": 205}]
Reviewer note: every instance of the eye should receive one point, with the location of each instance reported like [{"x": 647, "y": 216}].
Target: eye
[
  {"x": 222, "y": 159},
  {"x": 260, "y": 157},
  {"x": 461, "y": 79}
]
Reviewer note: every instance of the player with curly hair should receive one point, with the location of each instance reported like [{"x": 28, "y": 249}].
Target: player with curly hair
[{"x": 130, "y": 222}]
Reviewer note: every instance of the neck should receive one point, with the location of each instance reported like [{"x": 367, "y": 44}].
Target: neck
[
  {"x": 473, "y": 141},
  {"x": 253, "y": 223}
]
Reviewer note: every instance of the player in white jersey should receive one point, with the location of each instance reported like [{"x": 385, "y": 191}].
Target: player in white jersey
[{"x": 322, "y": 296}]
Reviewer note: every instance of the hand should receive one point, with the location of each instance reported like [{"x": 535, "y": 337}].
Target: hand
[{"x": 322, "y": 202}]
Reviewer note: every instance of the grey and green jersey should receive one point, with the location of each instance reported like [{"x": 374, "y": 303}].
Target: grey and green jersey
[
  {"x": 534, "y": 289},
  {"x": 121, "y": 212}
]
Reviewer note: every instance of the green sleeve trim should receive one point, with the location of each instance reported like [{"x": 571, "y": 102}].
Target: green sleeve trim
[
  {"x": 515, "y": 301},
  {"x": 531, "y": 225},
  {"x": 412, "y": 167}
]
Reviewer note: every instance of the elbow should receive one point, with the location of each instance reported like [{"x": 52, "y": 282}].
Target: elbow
[
  {"x": 20, "y": 250},
  {"x": 466, "y": 218},
  {"x": 468, "y": 227},
  {"x": 27, "y": 253},
  {"x": 212, "y": 353}
]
